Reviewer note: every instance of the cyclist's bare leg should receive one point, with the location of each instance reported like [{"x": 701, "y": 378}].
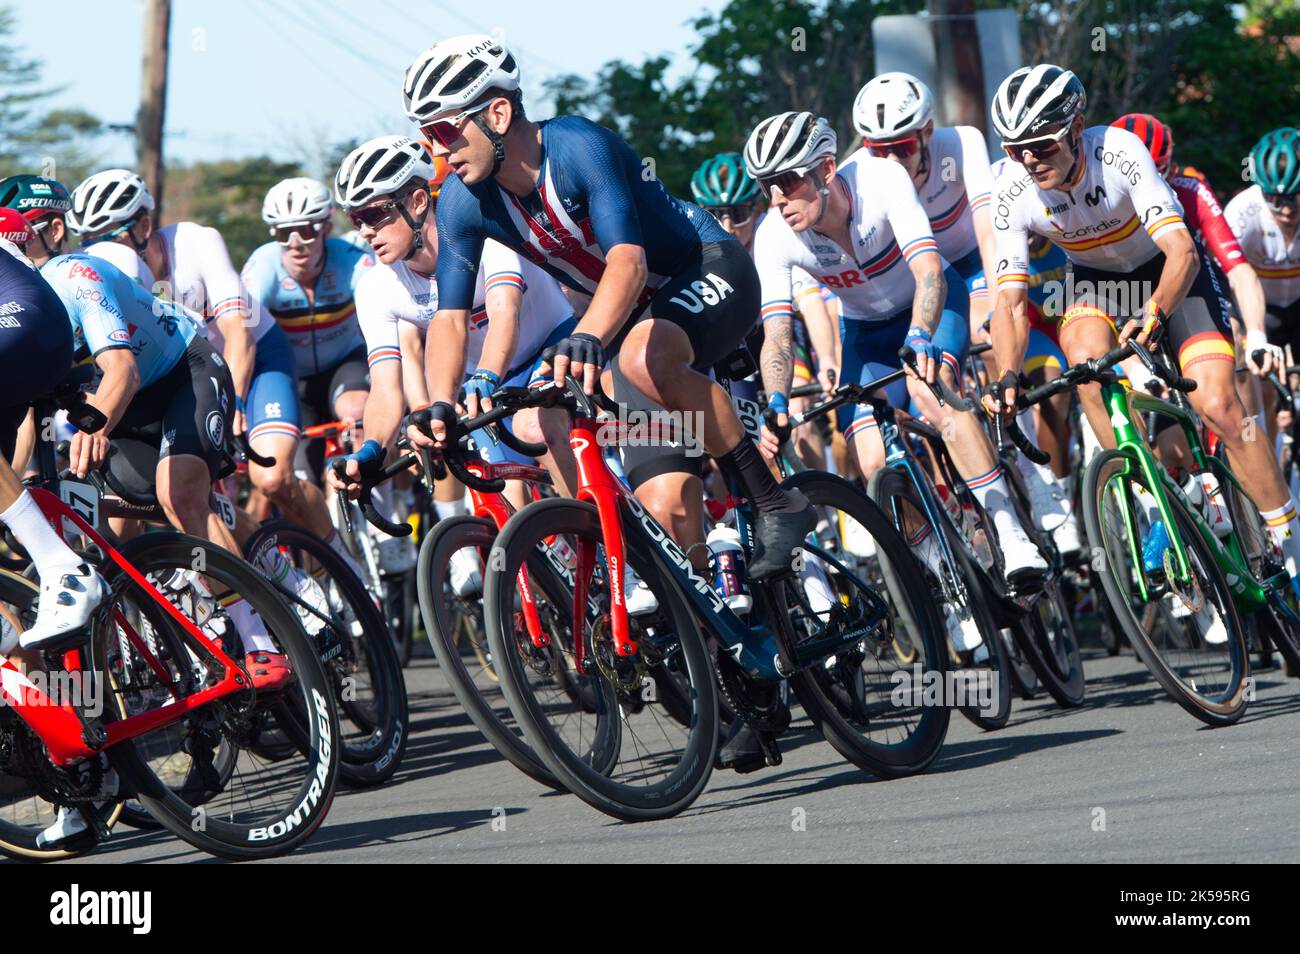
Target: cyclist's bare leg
[
  {"x": 550, "y": 426},
  {"x": 1250, "y": 453},
  {"x": 1090, "y": 334},
  {"x": 183, "y": 485},
  {"x": 301, "y": 502},
  {"x": 656, "y": 358},
  {"x": 676, "y": 500},
  {"x": 350, "y": 405}
]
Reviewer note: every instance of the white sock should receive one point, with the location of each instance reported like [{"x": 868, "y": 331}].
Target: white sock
[
  {"x": 1284, "y": 528},
  {"x": 450, "y": 508},
  {"x": 47, "y": 550},
  {"x": 990, "y": 489},
  {"x": 251, "y": 629}
]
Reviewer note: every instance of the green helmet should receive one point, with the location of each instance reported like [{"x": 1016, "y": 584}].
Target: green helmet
[
  {"x": 723, "y": 180},
  {"x": 1275, "y": 161},
  {"x": 34, "y": 196}
]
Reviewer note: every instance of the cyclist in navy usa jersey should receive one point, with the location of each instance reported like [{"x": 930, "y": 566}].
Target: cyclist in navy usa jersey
[{"x": 572, "y": 197}]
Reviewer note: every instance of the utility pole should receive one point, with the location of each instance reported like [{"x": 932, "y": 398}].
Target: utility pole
[
  {"x": 960, "y": 68},
  {"x": 153, "y": 98}
]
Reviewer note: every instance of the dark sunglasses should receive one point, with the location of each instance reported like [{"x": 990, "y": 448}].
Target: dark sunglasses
[
  {"x": 902, "y": 148},
  {"x": 306, "y": 232},
  {"x": 449, "y": 131},
  {"x": 1043, "y": 148},
  {"x": 787, "y": 182},
  {"x": 739, "y": 214},
  {"x": 374, "y": 217},
  {"x": 1277, "y": 201}
]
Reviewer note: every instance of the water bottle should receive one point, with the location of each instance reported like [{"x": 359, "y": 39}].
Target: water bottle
[
  {"x": 729, "y": 568},
  {"x": 1203, "y": 491}
]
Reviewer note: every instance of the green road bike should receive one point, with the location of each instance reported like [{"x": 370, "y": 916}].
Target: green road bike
[{"x": 1154, "y": 551}]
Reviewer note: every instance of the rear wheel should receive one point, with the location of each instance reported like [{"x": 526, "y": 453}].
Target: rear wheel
[
  {"x": 858, "y": 697},
  {"x": 981, "y": 676},
  {"x": 198, "y": 776}
]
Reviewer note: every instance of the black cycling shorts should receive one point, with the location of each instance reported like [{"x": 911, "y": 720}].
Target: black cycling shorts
[
  {"x": 319, "y": 391},
  {"x": 187, "y": 411},
  {"x": 715, "y": 300},
  {"x": 1199, "y": 330},
  {"x": 35, "y": 345}
]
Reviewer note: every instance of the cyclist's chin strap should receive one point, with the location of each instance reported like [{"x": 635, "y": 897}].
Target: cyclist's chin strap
[
  {"x": 824, "y": 191},
  {"x": 497, "y": 139},
  {"x": 138, "y": 246},
  {"x": 417, "y": 226}
]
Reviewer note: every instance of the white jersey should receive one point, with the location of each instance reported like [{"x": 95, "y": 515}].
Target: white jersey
[
  {"x": 388, "y": 294},
  {"x": 889, "y": 229},
  {"x": 202, "y": 277},
  {"x": 1276, "y": 263},
  {"x": 959, "y": 183},
  {"x": 1109, "y": 220}
]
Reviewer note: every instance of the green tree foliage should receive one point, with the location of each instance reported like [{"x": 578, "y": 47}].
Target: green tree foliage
[
  {"x": 753, "y": 58},
  {"x": 1219, "y": 78},
  {"x": 228, "y": 196},
  {"x": 37, "y": 140}
]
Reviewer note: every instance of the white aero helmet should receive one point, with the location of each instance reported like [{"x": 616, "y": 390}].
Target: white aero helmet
[
  {"x": 788, "y": 141},
  {"x": 295, "y": 201},
  {"x": 380, "y": 167},
  {"x": 1035, "y": 101},
  {"x": 452, "y": 75},
  {"x": 107, "y": 199},
  {"x": 892, "y": 105}
]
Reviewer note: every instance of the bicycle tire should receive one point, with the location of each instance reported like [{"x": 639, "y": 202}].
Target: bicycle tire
[
  {"x": 449, "y": 536},
  {"x": 887, "y": 484},
  {"x": 18, "y": 841},
  {"x": 373, "y": 760},
  {"x": 903, "y": 578},
  {"x": 311, "y": 799},
  {"x": 1212, "y": 711},
  {"x": 517, "y": 543}
]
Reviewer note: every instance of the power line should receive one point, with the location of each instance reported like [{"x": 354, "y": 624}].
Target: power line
[
  {"x": 261, "y": 9},
  {"x": 514, "y": 47},
  {"x": 382, "y": 69},
  {"x": 361, "y": 24}
]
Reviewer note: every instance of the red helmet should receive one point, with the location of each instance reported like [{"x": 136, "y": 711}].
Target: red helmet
[
  {"x": 14, "y": 228},
  {"x": 1157, "y": 136}
]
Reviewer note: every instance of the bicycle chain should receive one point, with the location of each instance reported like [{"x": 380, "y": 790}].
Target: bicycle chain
[
  {"x": 773, "y": 717},
  {"x": 26, "y": 757}
]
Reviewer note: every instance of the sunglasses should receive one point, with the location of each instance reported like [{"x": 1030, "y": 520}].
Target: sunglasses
[
  {"x": 1277, "y": 201},
  {"x": 739, "y": 214},
  {"x": 903, "y": 148},
  {"x": 305, "y": 232},
  {"x": 1043, "y": 148},
  {"x": 375, "y": 217},
  {"x": 787, "y": 182},
  {"x": 448, "y": 131}
]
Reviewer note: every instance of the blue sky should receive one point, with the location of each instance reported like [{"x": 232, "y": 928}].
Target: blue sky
[{"x": 289, "y": 78}]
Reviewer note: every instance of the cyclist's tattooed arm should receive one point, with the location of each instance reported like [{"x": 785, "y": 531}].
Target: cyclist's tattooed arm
[
  {"x": 931, "y": 290},
  {"x": 778, "y": 354}
]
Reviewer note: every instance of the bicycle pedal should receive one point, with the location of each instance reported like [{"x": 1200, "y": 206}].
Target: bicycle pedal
[
  {"x": 771, "y": 752},
  {"x": 53, "y": 648}
]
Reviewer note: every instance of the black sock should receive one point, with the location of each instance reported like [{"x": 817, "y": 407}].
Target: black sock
[{"x": 744, "y": 466}]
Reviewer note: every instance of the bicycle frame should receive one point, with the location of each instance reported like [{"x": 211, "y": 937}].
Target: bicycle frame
[
  {"x": 66, "y": 738},
  {"x": 1249, "y": 594},
  {"x": 754, "y": 647}
]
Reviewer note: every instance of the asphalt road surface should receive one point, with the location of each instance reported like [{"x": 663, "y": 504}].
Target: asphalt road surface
[{"x": 1129, "y": 777}]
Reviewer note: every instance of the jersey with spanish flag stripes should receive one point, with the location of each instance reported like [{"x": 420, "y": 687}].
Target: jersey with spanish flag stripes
[
  {"x": 390, "y": 294},
  {"x": 1108, "y": 220},
  {"x": 889, "y": 228},
  {"x": 323, "y": 330},
  {"x": 1276, "y": 262}
]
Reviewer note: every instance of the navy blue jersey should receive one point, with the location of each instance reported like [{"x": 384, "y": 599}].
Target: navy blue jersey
[{"x": 592, "y": 193}]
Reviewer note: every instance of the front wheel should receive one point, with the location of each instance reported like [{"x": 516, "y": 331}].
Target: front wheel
[
  {"x": 609, "y": 740},
  {"x": 1200, "y": 656}
]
